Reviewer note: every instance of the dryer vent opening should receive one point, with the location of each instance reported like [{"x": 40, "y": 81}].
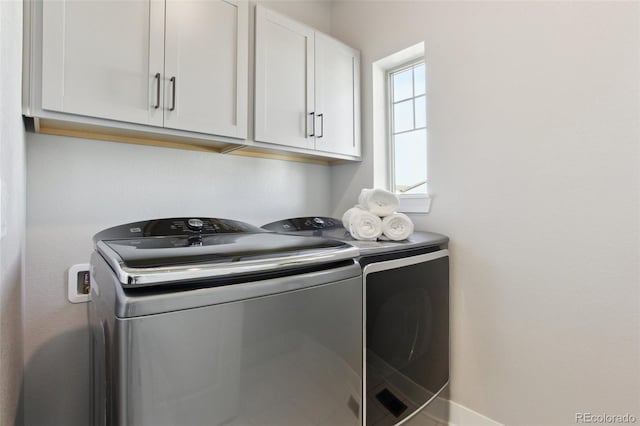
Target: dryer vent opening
[{"x": 391, "y": 402}]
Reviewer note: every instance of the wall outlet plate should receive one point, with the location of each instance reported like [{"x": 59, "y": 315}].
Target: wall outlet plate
[{"x": 78, "y": 282}]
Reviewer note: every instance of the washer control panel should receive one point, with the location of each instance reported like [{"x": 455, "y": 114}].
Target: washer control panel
[
  {"x": 176, "y": 226},
  {"x": 311, "y": 223}
]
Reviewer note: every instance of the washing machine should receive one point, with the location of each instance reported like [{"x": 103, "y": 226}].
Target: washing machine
[
  {"x": 205, "y": 321},
  {"x": 406, "y": 317}
]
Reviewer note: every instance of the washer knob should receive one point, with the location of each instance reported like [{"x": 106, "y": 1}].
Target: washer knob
[{"x": 195, "y": 224}]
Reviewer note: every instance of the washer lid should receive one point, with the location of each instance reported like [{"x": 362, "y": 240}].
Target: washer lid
[{"x": 157, "y": 260}]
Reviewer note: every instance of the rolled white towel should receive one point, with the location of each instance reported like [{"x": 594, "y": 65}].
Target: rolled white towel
[
  {"x": 362, "y": 225},
  {"x": 347, "y": 215},
  {"x": 378, "y": 201},
  {"x": 397, "y": 226}
]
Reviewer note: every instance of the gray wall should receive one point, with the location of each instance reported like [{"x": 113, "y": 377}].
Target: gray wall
[
  {"x": 77, "y": 187},
  {"x": 12, "y": 212},
  {"x": 533, "y": 119}
]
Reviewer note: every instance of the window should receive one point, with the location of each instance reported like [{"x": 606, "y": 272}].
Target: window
[
  {"x": 400, "y": 127},
  {"x": 408, "y": 130}
]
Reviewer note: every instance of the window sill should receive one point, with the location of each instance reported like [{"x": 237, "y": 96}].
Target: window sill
[{"x": 414, "y": 203}]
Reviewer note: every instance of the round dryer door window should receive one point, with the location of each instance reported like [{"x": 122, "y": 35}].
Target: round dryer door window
[{"x": 401, "y": 327}]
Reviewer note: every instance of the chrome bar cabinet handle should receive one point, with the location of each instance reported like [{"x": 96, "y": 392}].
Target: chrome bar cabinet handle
[
  {"x": 321, "y": 125},
  {"x": 157, "y": 77},
  {"x": 173, "y": 93},
  {"x": 313, "y": 120}
]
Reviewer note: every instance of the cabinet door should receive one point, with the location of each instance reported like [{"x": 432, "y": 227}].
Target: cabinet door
[
  {"x": 284, "y": 81},
  {"x": 100, "y": 58},
  {"x": 206, "y": 66},
  {"x": 337, "y": 97}
]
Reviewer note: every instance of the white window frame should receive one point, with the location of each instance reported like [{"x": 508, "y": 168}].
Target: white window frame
[{"x": 409, "y": 203}]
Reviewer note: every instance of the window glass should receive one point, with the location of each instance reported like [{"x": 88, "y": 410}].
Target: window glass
[
  {"x": 410, "y": 153},
  {"x": 403, "y": 116},
  {"x": 421, "y": 113},
  {"x": 408, "y": 112},
  {"x": 402, "y": 85}
]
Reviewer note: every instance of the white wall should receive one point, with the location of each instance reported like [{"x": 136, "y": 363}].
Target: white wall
[
  {"x": 77, "y": 187},
  {"x": 533, "y": 112},
  {"x": 315, "y": 13},
  {"x": 12, "y": 212}
]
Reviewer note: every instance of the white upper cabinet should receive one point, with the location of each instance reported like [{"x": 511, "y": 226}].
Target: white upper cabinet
[
  {"x": 206, "y": 66},
  {"x": 176, "y": 73},
  {"x": 307, "y": 90},
  {"x": 178, "y": 64},
  {"x": 103, "y": 59},
  {"x": 284, "y": 80},
  {"x": 337, "y": 87}
]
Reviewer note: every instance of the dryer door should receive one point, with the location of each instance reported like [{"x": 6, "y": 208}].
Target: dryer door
[{"x": 407, "y": 334}]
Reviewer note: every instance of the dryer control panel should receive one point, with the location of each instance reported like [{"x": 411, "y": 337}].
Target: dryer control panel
[{"x": 310, "y": 223}]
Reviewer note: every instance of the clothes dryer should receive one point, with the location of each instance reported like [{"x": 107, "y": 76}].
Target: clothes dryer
[{"x": 406, "y": 316}]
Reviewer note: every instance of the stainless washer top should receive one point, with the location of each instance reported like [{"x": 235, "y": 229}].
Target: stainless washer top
[
  {"x": 185, "y": 249},
  {"x": 328, "y": 227}
]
